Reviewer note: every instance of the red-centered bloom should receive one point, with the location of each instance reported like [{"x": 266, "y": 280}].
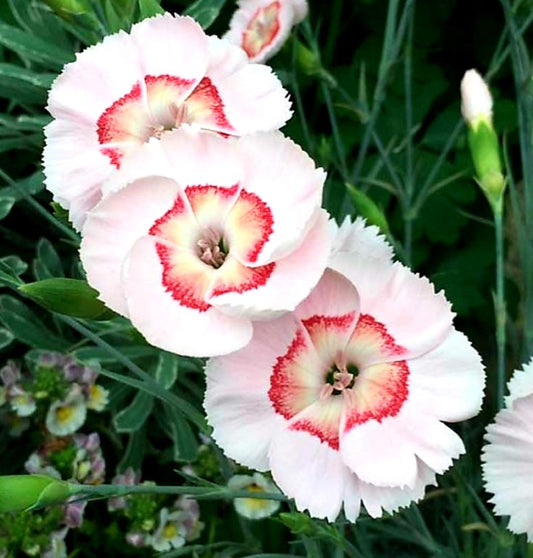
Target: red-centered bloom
[
  {"x": 343, "y": 399},
  {"x": 207, "y": 235},
  {"x": 508, "y": 455},
  {"x": 131, "y": 87},
  {"x": 261, "y": 27}
]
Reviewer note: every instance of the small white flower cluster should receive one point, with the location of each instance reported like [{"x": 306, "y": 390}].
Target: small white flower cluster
[
  {"x": 160, "y": 527},
  {"x": 59, "y": 391}
]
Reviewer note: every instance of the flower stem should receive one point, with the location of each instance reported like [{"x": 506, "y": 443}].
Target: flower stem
[
  {"x": 499, "y": 302},
  {"x": 211, "y": 492}
]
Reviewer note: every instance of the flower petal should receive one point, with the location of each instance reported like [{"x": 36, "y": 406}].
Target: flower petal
[
  {"x": 271, "y": 160},
  {"x": 447, "y": 382},
  {"x": 167, "y": 322},
  {"x": 521, "y": 384},
  {"x": 281, "y": 292},
  {"x": 236, "y": 398},
  {"x": 507, "y": 464},
  {"x": 158, "y": 36},
  {"x": 113, "y": 227},
  {"x": 309, "y": 471},
  {"x": 251, "y": 94}
]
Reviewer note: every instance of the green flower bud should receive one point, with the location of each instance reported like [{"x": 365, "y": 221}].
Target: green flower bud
[
  {"x": 482, "y": 138},
  {"x": 366, "y": 207},
  {"x": 69, "y": 7},
  {"x": 28, "y": 492},
  {"x": 73, "y": 297}
]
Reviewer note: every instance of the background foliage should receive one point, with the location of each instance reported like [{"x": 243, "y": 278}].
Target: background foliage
[{"x": 375, "y": 93}]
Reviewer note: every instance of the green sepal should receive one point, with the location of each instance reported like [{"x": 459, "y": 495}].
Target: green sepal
[
  {"x": 485, "y": 151},
  {"x": 73, "y": 297}
]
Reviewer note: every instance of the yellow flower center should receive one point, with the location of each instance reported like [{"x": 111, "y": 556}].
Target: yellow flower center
[
  {"x": 170, "y": 531},
  {"x": 64, "y": 413}
]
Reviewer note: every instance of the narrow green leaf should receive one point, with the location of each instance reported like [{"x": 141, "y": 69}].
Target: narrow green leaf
[
  {"x": 26, "y": 327},
  {"x": 135, "y": 450},
  {"x": 103, "y": 356},
  {"x": 48, "y": 263},
  {"x": 25, "y": 86},
  {"x": 205, "y": 12},
  {"x": 114, "y": 21},
  {"x": 149, "y": 8},
  {"x": 368, "y": 208},
  {"x": 166, "y": 372},
  {"x": 32, "y": 47},
  {"x": 73, "y": 297},
  {"x": 32, "y": 184},
  {"x": 6, "y": 203},
  {"x": 13, "y": 264},
  {"x": 185, "y": 444},
  {"x": 135, "y": 414},
  {"x": 5, "y": 337}
]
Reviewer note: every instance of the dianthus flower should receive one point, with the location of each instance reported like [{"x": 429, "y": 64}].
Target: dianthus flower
[
  {"x": 207, "y": 235},
  {"x": 134, "y": 86},
  {"x": 343, "y": 399},
  {"x": 508, "y": 455},
  {"x": 261, "y": 27}
]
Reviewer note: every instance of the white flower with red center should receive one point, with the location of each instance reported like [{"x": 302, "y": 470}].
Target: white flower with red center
[
  {"x": 343, "y": 399},
  {"x": 132, "y": 87},
  {"x": 207, "y": 235},
  {"x": 261, "y": 27},
  {"x": 508, "y": 455}
]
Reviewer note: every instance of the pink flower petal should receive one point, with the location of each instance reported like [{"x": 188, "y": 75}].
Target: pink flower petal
[
  {"x": 158, "y": 36},
  {"x": 272, "y": 160},
  {"x": 309, "y": 471},
  {"x": 448, "y": 381},
  {"x": 113, "y": 227},
  {"x": 507, "y": 464},
  {"x": 236, "y": 398},
  {"x": 521, "y": 384},
  {"x": 172, "y": 324},
  {"x": 281, "y": 292}
]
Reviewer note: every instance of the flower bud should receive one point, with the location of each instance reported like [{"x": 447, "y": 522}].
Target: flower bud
[
  {"x": 27, "y": 492},
  {"x": 482, "y": 138},
  {"x": 476, "y": 102}
]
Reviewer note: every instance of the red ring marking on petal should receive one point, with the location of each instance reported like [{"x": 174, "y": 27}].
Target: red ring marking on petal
[
  {"x": 380, "y": 392},
  {"x": 295, "y": 381},
  {"x": 184, "y": 276},
  {"x": 248, "y": 278},
  {"x": 205, "y": 106},
  {"x": 210, "y": 203},
  {"x": 249, "y": 225},
  {"x": 262, "y": 29},
  {"x": 327, "y": 433},
  {"x": 187, "y": 289}
]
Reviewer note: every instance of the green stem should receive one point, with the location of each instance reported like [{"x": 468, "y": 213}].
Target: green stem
[
  {"x": 499, "y": 304},
  {"x": 214, "y": 492}
]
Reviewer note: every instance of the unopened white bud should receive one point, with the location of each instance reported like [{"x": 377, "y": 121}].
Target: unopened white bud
[{"x": 476, "y": 98}]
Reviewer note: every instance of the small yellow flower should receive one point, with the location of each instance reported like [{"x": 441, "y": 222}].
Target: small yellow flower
[
  {"x": 65, "y": 417},
  {"x": 253, "y": 508},
  {"x": 98, "y": 398}
]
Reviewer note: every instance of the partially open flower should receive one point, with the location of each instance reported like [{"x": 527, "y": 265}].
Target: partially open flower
[
  {"x": 261, "y": 27},
  {"x": 207, "y": 235},
  {"x": 344, "y": 399},
  {"x": 132, "y": 87},
  {"x": 508, "y": 455},
  {"x": 476, "y": 100},
  {"x": 254, "y": 508}
]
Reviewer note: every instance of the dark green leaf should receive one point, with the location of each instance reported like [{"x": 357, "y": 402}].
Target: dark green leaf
[
  {"x": 182, "y": 435},
  {"x": 25, "y": 86},
  {"x": 6, "y": 203},
  {"x": 149, "y": 8},
  {"x": 32, "y": 47},
  {"x": 135, "y": 450},
  {"x": 26, "y": 327},
  {"x": 135, "y": 414},
  {"x": 205, "y": 12},
  {"x": 103, "y": 356},
  {"x": 166, "y": 371},
  {"x": 49, "y": 261},
  {"x": 5, "y": 337}
]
